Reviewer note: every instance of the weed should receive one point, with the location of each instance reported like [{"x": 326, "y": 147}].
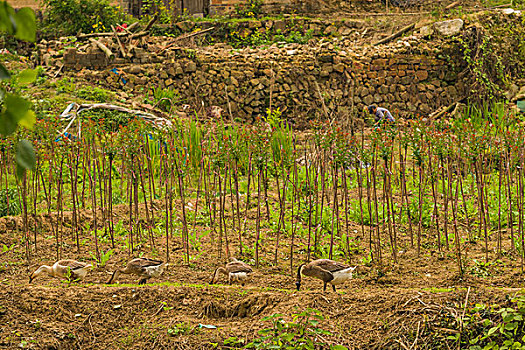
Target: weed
[
  {"x": 165, "y": 99},
  {"x": 180, "y": 329},
  {"x": 234, "y": 342},
  {"x": 490, "y": 327},
  {"x": 104, "y": 257},
  {"x": 251, "y": 9},
  {"x": 480, "y": 269},
  {"x": 302, "y": 333},
  {"x": 93, "y": 94},
  {"x": 9, "y": 202}
]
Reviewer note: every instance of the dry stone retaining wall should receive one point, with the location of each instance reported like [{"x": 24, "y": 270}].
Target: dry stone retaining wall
[{"x": 408, "y": 84}]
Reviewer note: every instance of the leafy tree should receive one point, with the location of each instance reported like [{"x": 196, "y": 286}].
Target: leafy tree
[{"x": 15, "y": 110}]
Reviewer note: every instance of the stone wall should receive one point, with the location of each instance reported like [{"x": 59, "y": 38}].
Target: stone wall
[
  {"x": 296, "y": 82},
  {"x": 268, "y": 6},
  {"x": 37, "y": 4}
]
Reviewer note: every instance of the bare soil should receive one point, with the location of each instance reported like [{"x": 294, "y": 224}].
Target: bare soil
[{"x": 382, "y": 307}]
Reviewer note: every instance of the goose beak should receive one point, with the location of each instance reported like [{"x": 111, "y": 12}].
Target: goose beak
[
  {"x": 30, "y": 279},
  {"x": 298, "y": 285}
]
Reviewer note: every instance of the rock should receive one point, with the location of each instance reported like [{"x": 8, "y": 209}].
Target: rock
[
  {"x": 185, "y": 26},
  {"x": 421, "y": 75},
  {"x": 330, "y": 30},
  {"x": 368, "y": 100},
  {"x": 450, "y": 27},
  {"x": 426, "y": 31},
  {"x": 345, "y": 31},
  {"x": 512, "y": 92},
  {"x": 279, "y": 25},
  {"x": 326, "y": 58},
  {"x": 339, "y": 67},
  {"x": 520, "y": 95},
  {"x": 46, "y": 58},
  {"x": 425, "y": 109},
  {"x": 254, "y": 24},
  {"x": 190, "y": 67},
  {"x": 509, "y": 11}
]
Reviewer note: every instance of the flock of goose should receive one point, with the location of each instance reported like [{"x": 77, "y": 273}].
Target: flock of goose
[{"x": 326, "y": 270}]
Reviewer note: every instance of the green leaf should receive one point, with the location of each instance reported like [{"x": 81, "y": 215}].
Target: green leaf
[
  {"x": 338, "y": 347},
  {"x": 287, "y": 337},
  {"x": 25, "y": 24},
  {"x": 8, "y": 123},
  {"x": 28, "y": 120},
  {"x": 27, "y": 76},
  {"x": 15, "y": 109},
  {"x": 20, "y": 171},
  {"x": 511, "y": 326},
  {"x": 4, "y": 74},
  {"x": 25, "y": 155},
  {"x": 6, "y": 17},
  {"x": 492, "y": 331}
]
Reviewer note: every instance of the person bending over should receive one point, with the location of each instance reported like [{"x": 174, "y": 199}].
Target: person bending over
[{"x": 381, "y": 114}]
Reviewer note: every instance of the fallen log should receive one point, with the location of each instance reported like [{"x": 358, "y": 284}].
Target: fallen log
[
  {"x": 452, "y": 5},
  {"x": 138, "y": 35},
  {"x": 184, "y": 36},
  {"x": 396, "y": 34},
  {"x": 104, "y": 48},
  {"x": 101, "y": 35},
  {"x": 122, "y": 51},
  {"x": 74, "y": 109},
  {"x": 132, "y": 26},
  {"x": 440, "y": 112},
  {"x": 150, "y": 23}
]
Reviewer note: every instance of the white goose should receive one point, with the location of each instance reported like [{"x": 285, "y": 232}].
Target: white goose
[
  {"x": 326, "y": 270},
  {"x": 236, "y": 270},
  {"x": 143, "y": 267},
  {"x": 70, "y": 269}
]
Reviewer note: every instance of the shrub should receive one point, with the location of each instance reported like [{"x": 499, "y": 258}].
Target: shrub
[
  {"x": 252, "y": 9},
  {"x": 303, "y": 332},
  {"x": 9, "y": 202},
  {"x": 69, "y": 17},
  {"x": 493, "y": 327},
  {"x": 93, "y": 94}
]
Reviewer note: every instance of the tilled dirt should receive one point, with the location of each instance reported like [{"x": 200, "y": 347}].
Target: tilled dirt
[
  {"x": 381, "y": 308},
  {"x": 95, "y": 317}
]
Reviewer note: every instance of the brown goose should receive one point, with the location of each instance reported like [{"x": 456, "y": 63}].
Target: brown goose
[
  {"x": 326, "y": 270},
  {"x": 236, "y": 270},
  {"x": 143, "y": 267},
  {"x": 70, "y": 269}
]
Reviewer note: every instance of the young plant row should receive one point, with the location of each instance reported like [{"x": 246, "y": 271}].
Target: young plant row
[{"x": 433, "y": 186}]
